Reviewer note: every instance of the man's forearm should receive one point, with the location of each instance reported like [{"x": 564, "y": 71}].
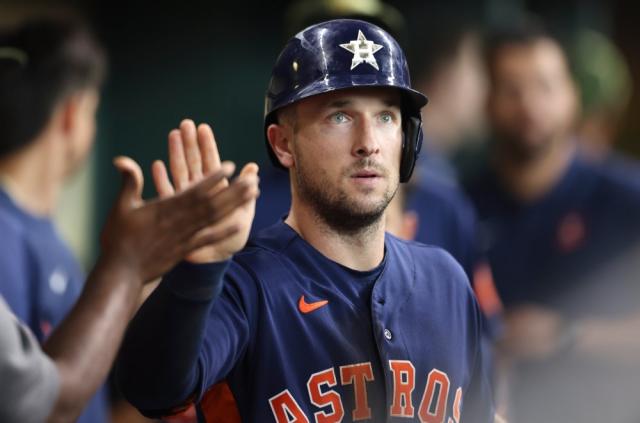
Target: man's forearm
[
  {"x": 83, "y": 347},
  {"x": 157, "y": 367}
]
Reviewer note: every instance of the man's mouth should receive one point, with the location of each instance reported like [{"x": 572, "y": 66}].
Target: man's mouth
[{"x": 366, "y": 174}]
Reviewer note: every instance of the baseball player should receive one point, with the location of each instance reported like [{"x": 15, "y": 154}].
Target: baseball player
[
  {"x": 556, "y": 227},
  {"x": 321, "y": 317}
]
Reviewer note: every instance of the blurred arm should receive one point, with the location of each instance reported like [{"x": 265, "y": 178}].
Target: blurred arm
[{"x": 29, "y": 378}]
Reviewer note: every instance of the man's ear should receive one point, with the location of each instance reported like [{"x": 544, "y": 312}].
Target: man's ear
[
  {"x": 69, "y": 109},
  {"x": 279, "y": 137}
]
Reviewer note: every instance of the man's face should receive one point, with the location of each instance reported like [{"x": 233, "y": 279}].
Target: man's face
[
  {"x": 532, "y": 100},
  {"x": 346, "y": 149}
]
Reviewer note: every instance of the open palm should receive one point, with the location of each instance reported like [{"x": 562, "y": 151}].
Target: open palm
[{"x": 193, "y": 154}]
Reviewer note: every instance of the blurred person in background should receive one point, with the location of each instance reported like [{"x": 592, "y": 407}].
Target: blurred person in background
[
  {"x": 447, "y": 56},
  {"x": 604, "y": 80},
  {"x": 50, "y": 70},
  {"x": 560, "y": 233}
]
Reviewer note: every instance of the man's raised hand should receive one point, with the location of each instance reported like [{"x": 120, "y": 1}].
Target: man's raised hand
[{"x": 193, "y": 155}]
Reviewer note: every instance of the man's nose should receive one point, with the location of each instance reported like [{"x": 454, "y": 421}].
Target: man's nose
[{"x": 366, "y": 142}]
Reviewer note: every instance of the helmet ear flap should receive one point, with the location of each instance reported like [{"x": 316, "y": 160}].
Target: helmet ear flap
[{"x": 411, "y": 145}]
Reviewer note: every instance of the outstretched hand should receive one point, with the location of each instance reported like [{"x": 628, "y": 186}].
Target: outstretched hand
[
  {"x": 193, "y": 155},
  {"x": 148, "y": 238}
]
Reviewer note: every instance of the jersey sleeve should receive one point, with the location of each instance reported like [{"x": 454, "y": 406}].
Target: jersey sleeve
[
  {"x": 187, "y": 335},
  {"x": 13, "y": 277},
  {"x": 230, "y": 325},
  {"x": 30, "y": 381}
]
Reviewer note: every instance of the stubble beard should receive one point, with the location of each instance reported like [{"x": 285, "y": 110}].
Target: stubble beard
[
  {"x": 523, "y": 152},
  {"x": 336, "y": 210}
]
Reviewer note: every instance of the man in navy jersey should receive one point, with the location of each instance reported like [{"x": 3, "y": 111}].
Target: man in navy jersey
[
  {"x": 561, "y": 236},
  {"x": 320, "y": 317},
  {"x": 442, "y": 215}
]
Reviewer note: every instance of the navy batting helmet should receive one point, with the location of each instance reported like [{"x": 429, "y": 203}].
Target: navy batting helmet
[{"x": 340, "y": 54}]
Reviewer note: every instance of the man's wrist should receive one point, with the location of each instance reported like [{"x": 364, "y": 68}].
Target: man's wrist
[
  {"x": 119, "y": 270},
  {"x": 196, "y": 281}
]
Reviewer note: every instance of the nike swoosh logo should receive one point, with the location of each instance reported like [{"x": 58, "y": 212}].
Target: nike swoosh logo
[{"x": 306, "y": 307}]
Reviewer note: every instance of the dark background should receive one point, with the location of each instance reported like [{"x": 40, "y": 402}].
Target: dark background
[{"x": 211, "y": 60}]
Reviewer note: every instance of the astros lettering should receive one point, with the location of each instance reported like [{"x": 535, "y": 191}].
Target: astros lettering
[{"x": 431, "y": 409}]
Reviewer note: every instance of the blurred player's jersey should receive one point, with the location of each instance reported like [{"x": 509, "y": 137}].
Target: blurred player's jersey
[
  {"x": 40, "y": 279},
  {"x": 297, "y": 335},
  {"x": 542, "y": 251},
  {"x": 575, "y": 251},
  {"x": 445, "y": 219}
]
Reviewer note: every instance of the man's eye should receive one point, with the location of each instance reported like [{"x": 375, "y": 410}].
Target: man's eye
[
  {"x": 386, "y": 118},
  {"x": 339, "y": 117}
]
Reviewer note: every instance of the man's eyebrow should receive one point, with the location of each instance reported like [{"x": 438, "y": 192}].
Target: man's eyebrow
[
  {"x": 336, "y": 104},
  {"x": 392, "y": 102}
]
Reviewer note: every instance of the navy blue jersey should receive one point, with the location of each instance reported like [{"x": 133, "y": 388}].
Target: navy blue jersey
[
  {"x": 298, "y": 337},
  {"x": 446, "y": 219},
  {"x": 40, "y": 279},
  {"x": 542, "y": 252},
  {"x": 432, "y": 165}
]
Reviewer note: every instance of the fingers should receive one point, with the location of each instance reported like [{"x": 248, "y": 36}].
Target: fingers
[
  {"x": 161, "y": 179},
  {"x": 208, "y": 149},
  {"x": 191, "y": 149},
  {"x": 208, "y": 237},
  {"x": 249, "y": 173},
  {"x": 192, "y": 154},
  {"x": 224, "y": 172},
  {"x": 132, "y": 182},
  {"x": 177, "y": 161},
  {"x": 192, "y": 209},
  {"x": 205, "y": 205},
  {"x": 249, "y": 169},
  {"x": 231, "y": 198}
]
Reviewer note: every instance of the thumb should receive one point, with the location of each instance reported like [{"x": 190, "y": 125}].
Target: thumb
[{"x": 132, "y": 182}]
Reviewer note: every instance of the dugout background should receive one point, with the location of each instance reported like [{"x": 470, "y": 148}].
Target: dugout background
[{"x": 211, "y": 60}]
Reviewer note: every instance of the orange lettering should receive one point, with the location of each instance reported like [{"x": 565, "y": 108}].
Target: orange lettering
[
  {"x": 330, "y": 398},
  {"x": 433, "y": 405},
  {"x": 358, "y": 375},
  {"x": 285, "y": 408},
  {"x": 403, "y": 385}
]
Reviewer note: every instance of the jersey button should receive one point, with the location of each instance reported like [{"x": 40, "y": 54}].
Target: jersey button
[{"x": 388, "y": 334}]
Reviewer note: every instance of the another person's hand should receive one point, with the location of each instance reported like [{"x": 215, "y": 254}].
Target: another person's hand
[
  {"x": 193, "y": 155},
  {"x": 148, "y": 238}
]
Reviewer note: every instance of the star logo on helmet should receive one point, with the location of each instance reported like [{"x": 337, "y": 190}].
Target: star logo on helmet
[{"x": 363, "y": 51}]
